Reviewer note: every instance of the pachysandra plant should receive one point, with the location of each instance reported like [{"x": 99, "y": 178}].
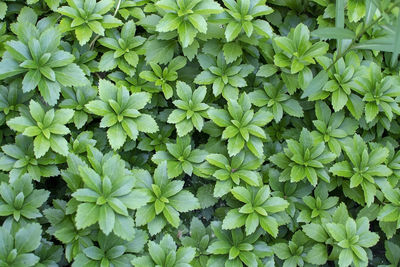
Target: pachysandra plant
[
  {"x": 257, "y": 209},
  {"x": 108, "y": 195},
  {"x": 20, "y": 201},
  {"x": 19, "y": 159},
  {"x": 80, "y": 142},
  {"x": 225, "y": 78},
  {"x": 167, "y": 199},
  {"x": 242, "y": 126},
  {"x": 332, "y": 128},
  {"x": 362, "y": 166},
  {"x": 304, "y": 159},
  {"x": 47, "y": 127},
  {"x": 120, "y": 113},
  {"x": 234, "y": 248},
  {"x": 18, "y": 247},
  {"x": 163, "y": 77},
  {"x": 296, "y": 52},
  {"x": 87, "y": 17},
  {"x": 11, "y": 98},
  {"x": 352, "y": 239},
  {"x": 125, "y": 49},
  {"x": 111, "y": 251},
  {"x": 274, "y": 99},
  {"x": 200, "y": 238},
  {"x": 187, "y": 17},
  {"x": 347, "y": 239},
  {"x": 240, "y": 169},
  {"x": 180, "y": 157},
  {"x": 293, "y": 193},
  {"x": 190, "y": 111},
  {"x": 165, "y": 253},
  {"x": 390, "y": 212},
  {"x": 85, "y": 57},
  {"x": 36, "y": 57},
  {"x": 76, "y": 98},
  {"x": 157, "y": 141},
  {"x": 241, "y": 16},
  {"x": 317, "y": 208},
  {"x": 343, "y": 79},
  {"x": 296, "y": 252},
  {"x": 63, "y": 228},
  {"x": 381, "y": 94}
]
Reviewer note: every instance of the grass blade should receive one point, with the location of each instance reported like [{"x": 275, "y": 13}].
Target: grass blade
[
  {"x": 396, "y": 45},
  {"x": 339, "y": 22}
]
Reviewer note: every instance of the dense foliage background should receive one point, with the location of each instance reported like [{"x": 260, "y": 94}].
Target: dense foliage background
[{"x": 181, "y": 133}]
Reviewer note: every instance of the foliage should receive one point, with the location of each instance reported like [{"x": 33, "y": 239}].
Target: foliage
[
  {"x": 242, "y": 126},
  {"x": 304, "y": 159},
  {"x": 86, "y": 17},
  {"x": 20, "y": 200},
  {"x": 362, "y": 166},
  {"x": 258, "y": 205},
  {"x": 204, "y": 133},
  {"x": 37, "y": 58},
  {"x": 190, "y": 109},
  {"x": 180, "y": 157},
  {"x": 242, "y": 167},
  {"x": 120, "y": 112},
  {"x": 166, "y": 199},
  {"x": 46, "y": 126},
  {"x": 165, "y": 254},
  {"x": 107, "y": 195}
]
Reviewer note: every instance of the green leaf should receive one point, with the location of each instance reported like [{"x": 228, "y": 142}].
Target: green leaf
[
  {"x": 169, "y": 22},
  {"x": 371, "y": 110},
  {"x": 232, "y": 51},
  {"x": 337, "y": 231},
  {"x": 41, "y": 145},
  {"x": 384, "y": 44},
  {"x": 317, "y": 255},
  {"x": 94, "y": 253},
  {"x": 235, "y": 145},
  {"x": 107, "y": 61},
  {"x": 184, "y": 201},
  {"x": 27, "y": 239},
  {"x": 345, "y": 257},
  {"x": 242, "y": 194},
  {"x": 316, "y": 84},
  {"x": 59, "y": 144},
  {"x": 83, "y": 34},
  {"x": 232, "y": 30},
  {"x": 316, "y": 232},
  {"x": 205, "y": 196},
  {"x": 333, "y": 33},
  {"x": 86, "y": 215},
  {"x": 146, "y": 123},
  {"x": 172, "y": 216},
  {"x": 106, "y": 219},
  {"x": 275, "y": 204},
  {"x": 198, "y": 22},
  {"x": 233, "y": 219},
  {"x": 267, "y": 70},
  {"x": 270, "y": 225},
  {"x": 282, "y": 251},
  {"x": 187, "y": 33},
  {"x": 116, "y": 136}
]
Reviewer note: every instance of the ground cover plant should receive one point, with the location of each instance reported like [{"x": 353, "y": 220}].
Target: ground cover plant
[{"x": 204, "y": 133}]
